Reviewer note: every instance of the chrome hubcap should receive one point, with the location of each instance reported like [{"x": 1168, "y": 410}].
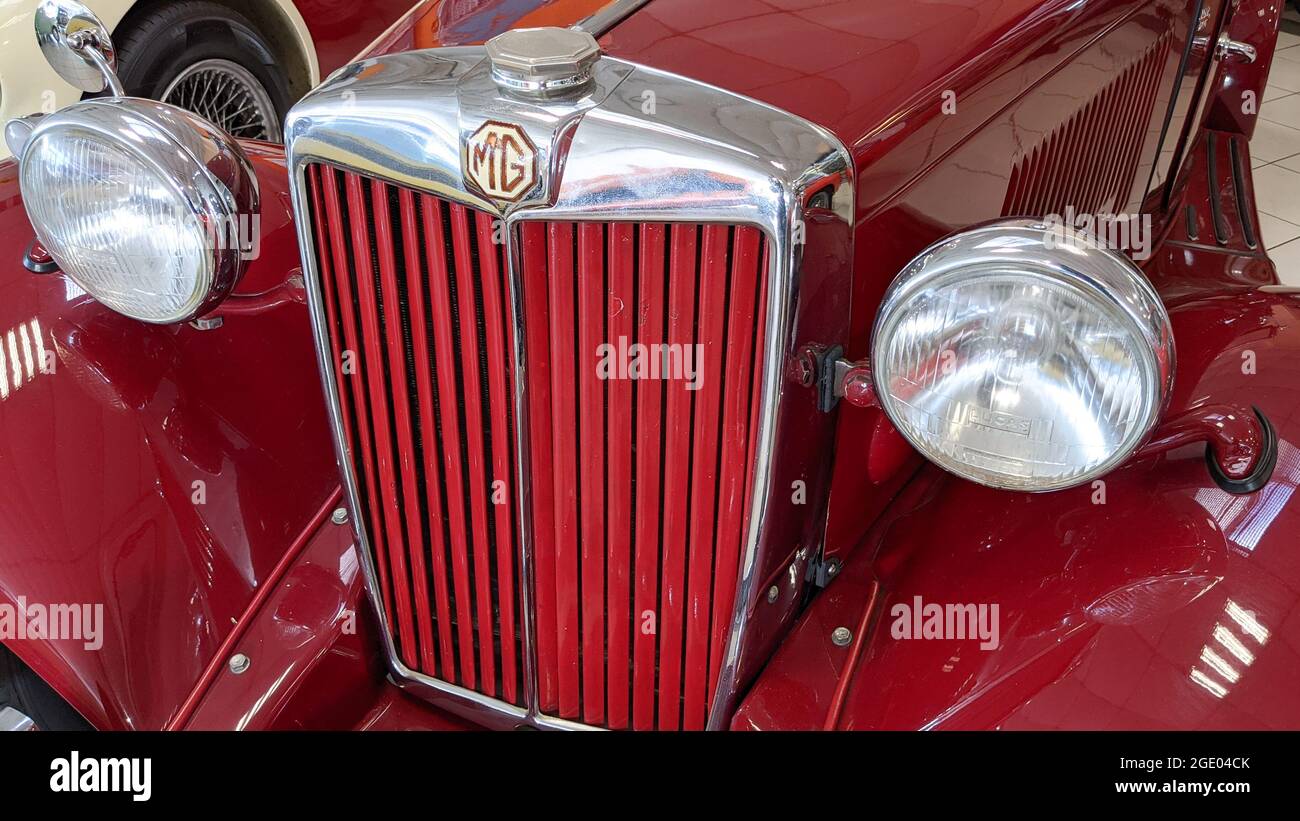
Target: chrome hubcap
[{"x": 228, "y": 95}]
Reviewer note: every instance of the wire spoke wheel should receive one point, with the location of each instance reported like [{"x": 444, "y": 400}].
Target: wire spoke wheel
[{"x": 228, "y": 95}]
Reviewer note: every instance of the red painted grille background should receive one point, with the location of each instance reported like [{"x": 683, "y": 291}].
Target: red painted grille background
[{"x": 637, "y": 486}]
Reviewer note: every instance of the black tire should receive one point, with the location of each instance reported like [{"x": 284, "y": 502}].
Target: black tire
[
  {"x": 158, "y": 43},
  {"x": 23, "y": 690}
]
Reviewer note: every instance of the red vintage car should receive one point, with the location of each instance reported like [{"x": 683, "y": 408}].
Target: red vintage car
[{"x": 661, "y": 365}]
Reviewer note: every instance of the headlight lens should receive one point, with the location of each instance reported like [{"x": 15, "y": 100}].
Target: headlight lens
[
  {"x": 1020, "y": 361},
  {"x": 117, "y": 226},
  {"x": 123, "y": 195}
]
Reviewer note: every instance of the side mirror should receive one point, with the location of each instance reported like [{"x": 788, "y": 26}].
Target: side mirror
[{"x": 77, "y": 46}]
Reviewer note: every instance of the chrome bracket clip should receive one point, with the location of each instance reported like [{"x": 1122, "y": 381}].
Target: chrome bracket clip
[{"x": 833, "y": 377}]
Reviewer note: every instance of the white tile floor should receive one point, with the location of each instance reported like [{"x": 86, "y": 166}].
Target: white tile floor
[{"x": 1275, "y": 157}]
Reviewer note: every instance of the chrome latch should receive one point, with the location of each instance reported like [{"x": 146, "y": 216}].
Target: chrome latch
[
  {"x": 1226, "y": 49},
  {"x": 1230, "y": 50}
]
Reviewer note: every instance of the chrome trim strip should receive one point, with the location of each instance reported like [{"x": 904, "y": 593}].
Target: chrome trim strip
[
  {"x": 13, "y": 721},
  {"x": 609, "y": 16},
  {"x": 383, "y": 35},
  {"x": 539, "y": 87},
  {"x": 641, "y": 145},
  {"x": 523, "y": 462},
  {"x": 595, "y": 24}
]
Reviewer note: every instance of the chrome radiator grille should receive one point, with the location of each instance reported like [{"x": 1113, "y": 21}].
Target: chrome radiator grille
[
  {"x": 637, "y": 486},
  {"x": 544, "y": 546}
]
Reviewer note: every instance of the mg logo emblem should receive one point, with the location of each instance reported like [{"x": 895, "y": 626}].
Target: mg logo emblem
[{"x": 501, "y": 161}]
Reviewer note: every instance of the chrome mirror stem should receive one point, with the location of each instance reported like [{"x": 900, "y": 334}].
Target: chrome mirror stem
[{"x": 86, "y": 43}]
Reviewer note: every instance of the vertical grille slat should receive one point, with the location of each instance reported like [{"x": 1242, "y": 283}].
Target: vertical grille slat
[
  {"x": 501, "y": 486},
  {"x": 742, "y": 332},
  {"x": 536, "y": 292},
  {"x": 368, "y": 392},
  {"x": 591, "y": 471},
  {"x": 711, "y": 336},
  {"x": 375, "y": 371},
  {"x": 405, "y": 456},
  {"x": 620, "y": 312},
  {"x": 561, "y": 282},
  {"x": 335, "y": 278},
  {"x": 477, "y": 487},
  {"x": 651, "y": 329},
  {"x": 427, "y": 411},
  {"x": 676, "y": 471},
  {"x": 638, "y": 486},
  {"x": 437, "y": 255}
]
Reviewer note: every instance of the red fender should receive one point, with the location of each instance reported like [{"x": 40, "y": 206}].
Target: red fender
[
  {"x": 1151, "y": 600},
  {"x": 100, "y": 458}
]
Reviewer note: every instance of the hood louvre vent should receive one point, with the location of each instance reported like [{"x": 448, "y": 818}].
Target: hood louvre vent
[{"x": 1081, "y": 166}]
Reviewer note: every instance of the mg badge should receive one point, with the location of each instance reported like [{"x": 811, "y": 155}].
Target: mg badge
[{"x": 501, "y": 161}]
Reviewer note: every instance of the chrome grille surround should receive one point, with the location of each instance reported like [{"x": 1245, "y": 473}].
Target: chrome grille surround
[{"x": 640, "y": 145}]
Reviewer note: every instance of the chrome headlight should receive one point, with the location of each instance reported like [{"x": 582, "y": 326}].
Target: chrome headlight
[
  {"x": 142, "y": 204},
  {"x": 1022, "y": 358}
]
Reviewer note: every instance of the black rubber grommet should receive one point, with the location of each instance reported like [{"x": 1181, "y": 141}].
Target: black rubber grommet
[
  {"x": 44, "y": 266},
  {"x": 1263, "y": 469},
  {"x": 825, "y": 376}
]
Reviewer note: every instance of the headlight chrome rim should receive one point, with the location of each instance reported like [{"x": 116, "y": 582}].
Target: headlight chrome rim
[
  {"x": 204, "y": 166},
  {"x": 1034, "y": 249}
]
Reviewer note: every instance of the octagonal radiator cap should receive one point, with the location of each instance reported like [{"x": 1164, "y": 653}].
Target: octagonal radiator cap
[{"x": 543, "y": 62}]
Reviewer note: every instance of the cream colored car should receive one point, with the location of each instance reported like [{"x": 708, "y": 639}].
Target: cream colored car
[{"x": 253, "y": 60}]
